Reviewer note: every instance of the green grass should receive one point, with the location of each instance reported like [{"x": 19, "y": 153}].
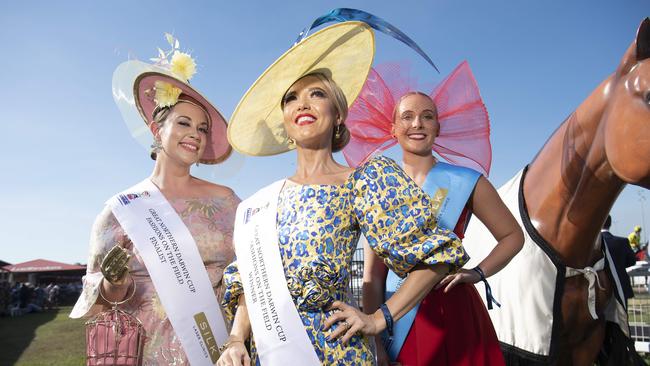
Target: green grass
[
  {"x": 51, "y": 338},
  {"x": 47, "y": 338}
]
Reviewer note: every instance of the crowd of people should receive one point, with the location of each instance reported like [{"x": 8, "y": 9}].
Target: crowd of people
[{"x": 24, "y": 297}]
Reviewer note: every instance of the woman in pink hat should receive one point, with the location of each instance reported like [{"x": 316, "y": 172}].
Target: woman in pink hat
[
  {"x": 176, "y": 229},
  {"x": 451, "y": 325}
]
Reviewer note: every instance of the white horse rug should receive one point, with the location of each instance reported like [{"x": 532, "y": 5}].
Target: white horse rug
[{"x": 529, "y": 287}]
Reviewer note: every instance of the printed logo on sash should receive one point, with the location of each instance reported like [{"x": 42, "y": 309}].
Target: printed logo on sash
[
  {"x": 126, "y": 198},
  {"x": 208, "y": 338},
  {"x": 252, "y": 211},
  {"x": 438, "y": 200}
]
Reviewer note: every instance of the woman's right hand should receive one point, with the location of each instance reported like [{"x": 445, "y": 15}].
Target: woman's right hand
[{"x": 235, "y": 354}]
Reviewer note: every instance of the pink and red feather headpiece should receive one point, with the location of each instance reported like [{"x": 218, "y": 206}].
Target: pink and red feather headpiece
[{"x": 464, "y": 124}]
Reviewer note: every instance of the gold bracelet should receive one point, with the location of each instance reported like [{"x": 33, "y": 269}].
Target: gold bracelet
[
  {"x": 228, "y": 344},
  {"x": 115, "y": 303}
]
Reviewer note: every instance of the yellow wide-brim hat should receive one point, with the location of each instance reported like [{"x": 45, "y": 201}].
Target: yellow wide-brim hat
[{"x": 343, "y": 51}]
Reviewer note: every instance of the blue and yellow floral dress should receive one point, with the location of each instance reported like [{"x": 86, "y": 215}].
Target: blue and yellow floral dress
[{"x": 318, "y": 229}]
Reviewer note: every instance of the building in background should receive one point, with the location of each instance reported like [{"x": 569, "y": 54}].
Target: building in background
[
  {"x": 4, "y": 274},
  {"x": 43, "y": 271}
]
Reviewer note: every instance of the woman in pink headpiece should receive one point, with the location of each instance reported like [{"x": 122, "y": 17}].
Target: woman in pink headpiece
[{"x": 451, "y": 325}]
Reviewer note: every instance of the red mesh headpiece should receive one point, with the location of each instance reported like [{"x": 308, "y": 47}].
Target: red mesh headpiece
[{"x": 464, "y": 124}]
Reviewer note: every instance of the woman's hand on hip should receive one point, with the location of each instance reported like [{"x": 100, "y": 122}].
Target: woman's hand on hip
[
  {"x": 350, "y": 321},
  {"x": 462, "y": 276}
]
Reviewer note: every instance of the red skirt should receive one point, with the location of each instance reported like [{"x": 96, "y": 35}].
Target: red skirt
[{"x": 452, "y": 328}]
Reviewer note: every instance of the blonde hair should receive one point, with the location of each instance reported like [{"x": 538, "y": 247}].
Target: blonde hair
[
  {"x": 399, "y": 101},
  {"x": 341, "y": 105}
]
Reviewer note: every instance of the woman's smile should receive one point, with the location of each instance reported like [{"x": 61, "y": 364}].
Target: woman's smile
[
  {"x": 194, "y": 148},
  {"x": 305, "y": 119},
  {"x": 418, "y": 136}
]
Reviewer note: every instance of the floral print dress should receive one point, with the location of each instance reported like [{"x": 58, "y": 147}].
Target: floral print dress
[
  {"x": 318, "y": 229},
  {"x": 210, "y": 220}
]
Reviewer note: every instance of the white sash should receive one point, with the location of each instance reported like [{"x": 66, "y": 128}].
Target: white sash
[
  {"x": 176, "y": 269},
  {"x": 278, "y": 331}
]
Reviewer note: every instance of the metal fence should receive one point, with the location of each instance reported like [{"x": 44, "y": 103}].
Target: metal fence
[
  {"x": 356, "y": 280},
  {"x": 638, "y": 307}
]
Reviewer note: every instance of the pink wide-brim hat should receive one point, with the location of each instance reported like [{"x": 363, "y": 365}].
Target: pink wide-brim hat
[{"x": 144, "y": 77}]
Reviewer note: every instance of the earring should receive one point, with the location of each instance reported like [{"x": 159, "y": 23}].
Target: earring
[
  {"x": 291, "y": 142},
  {"x": 337, "y": 132},
  {"x": 197, "y": 163},
  {"x": 156, "y": 147}
]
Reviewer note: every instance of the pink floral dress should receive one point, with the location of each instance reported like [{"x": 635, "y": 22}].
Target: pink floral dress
[{"x": 210, "y": 220}]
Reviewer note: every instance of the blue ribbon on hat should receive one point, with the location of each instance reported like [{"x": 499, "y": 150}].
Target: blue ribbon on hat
[{"x": 377, "y": 23}]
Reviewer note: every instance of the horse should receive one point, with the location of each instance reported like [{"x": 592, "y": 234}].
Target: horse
[{"x": 561, "y": 200}]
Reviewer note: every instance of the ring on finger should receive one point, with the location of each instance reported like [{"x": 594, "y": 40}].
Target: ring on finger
[{"x": 346, "y": 324}]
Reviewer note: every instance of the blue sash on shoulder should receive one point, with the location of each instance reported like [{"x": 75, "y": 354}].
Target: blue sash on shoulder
[{"x": 449, "y": 187}]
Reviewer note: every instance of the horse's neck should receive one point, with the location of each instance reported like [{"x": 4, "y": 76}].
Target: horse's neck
[{"x": 570, "y": 187}]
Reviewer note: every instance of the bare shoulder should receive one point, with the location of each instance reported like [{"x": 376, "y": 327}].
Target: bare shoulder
[
  {"x": 484, "y": 187},
  {"x": 488, "y": 206},
  {"x": 210, "y": 189},
  {"x": 483, "y": 195}
]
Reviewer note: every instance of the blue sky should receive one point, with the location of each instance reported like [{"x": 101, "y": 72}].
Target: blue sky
[{"x": 65, "y": 149}]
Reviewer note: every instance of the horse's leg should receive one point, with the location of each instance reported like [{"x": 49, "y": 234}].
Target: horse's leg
[
  {"x": 582, "y": 337},
  {"x": 586, "y": 352}
]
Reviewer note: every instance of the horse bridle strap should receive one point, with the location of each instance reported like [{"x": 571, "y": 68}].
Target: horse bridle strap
[{"x": 591, "y": 274}]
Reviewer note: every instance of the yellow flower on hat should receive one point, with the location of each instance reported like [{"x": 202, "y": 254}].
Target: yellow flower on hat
[
  {"x": 166, "y": 94},
  {"x": 182, "y": 65}
]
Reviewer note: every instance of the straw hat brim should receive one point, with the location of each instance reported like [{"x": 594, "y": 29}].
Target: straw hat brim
[{"x": 343, "y": 51}]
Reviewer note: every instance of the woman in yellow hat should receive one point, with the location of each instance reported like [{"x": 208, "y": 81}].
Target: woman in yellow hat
[
  {"x": 295, "y": 238},
  {"x": 160, "y": 247}
]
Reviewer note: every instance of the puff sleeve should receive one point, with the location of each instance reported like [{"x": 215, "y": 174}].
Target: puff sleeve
[
  {"x": 232, "y": 290},
  {"x": 397, "y": 218},
  {"x": 105, "y": 233}
]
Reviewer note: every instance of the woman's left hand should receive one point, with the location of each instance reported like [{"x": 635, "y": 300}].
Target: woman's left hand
[
  {"x": 350, "y": 322},
  {"x": 462, "y": 276}
]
